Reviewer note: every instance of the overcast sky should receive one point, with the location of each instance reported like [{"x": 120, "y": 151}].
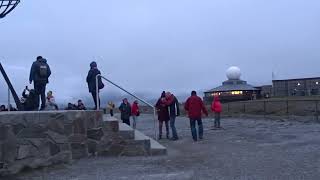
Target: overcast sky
[{"x": 152, "y": 45}]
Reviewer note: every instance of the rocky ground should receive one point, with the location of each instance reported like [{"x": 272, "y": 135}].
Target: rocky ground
[{"x": 246, "y": 149}]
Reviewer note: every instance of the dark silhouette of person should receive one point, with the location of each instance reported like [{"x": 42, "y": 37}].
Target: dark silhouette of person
[
  {"x": 39, "y": 74},
  {"x": 91, "y": 80}
]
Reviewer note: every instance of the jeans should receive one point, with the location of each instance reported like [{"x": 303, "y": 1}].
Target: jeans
[
  {"x": 194, "y": 129},
  {"x": 111, "y": 112},
  {"x": 160, "y": 128},
  {"x": 217, "y": 120},
  {"x": 94, "y": 96},
  {"x": 173, "y": 127},
  {"x": 40, "y": 89},
  {"x": 134, "y": 118}
]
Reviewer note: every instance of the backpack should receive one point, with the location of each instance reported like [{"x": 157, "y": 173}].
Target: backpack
[{"x": 43, "y": 70}]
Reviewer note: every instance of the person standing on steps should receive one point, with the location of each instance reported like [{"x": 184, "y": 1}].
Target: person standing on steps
[
  {"x": 91, "y": 80},
  {"x": 195, "y": 106},
  {"x": 216, "y": 107},
  {"x": 135, "y": 112},
  {"x": 163, "y": 115},
  {"x": 111, "y": 107},
  {"x": 125, "y": 109},
  {"x": 174, "y": 111},
  {"x": 39, "y": 75}
]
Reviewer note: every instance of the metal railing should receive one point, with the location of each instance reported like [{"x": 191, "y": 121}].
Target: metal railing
[{"x": 131, "y": 94}]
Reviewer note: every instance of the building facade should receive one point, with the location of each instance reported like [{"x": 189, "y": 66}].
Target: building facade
[{"x": 296, "y": 87}]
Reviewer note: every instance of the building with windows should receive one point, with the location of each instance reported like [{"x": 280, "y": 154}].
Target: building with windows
[
  {"x": 234, "y": 89},
  {"x": 296, "y": 87}
]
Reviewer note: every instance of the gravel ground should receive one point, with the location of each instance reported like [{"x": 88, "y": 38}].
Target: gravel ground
[{"x": 246, "y": 149}]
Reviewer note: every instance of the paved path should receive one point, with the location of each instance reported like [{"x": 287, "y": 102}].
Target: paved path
[{"x": 245, "y": 150}]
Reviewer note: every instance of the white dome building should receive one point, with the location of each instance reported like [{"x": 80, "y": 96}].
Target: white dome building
[{"x": 234, "y": 89}]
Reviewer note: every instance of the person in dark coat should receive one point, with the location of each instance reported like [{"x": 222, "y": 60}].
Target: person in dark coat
[
  {"x": 30, "y": 100},
  {"x": 39, "y": 75},
  {"x": 125, "y": 109},
  {"x": 91, "y": 80},
  {"x": 163, "y": 114},
  {"x": 174, "y": 111}
]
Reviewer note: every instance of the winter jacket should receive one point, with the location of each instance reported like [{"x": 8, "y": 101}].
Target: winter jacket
[
  {"x": 173, "y": 104},
  {"x": 163, "y": 111},
  {"x": 30, "y": 103},
  {"x": 125, "y": 110},
  {"x": 194, "y": 105},
  {"x": 216, "y": 105},
  {"x": 35, "y": 75},
  {"x": 91, "y": 79},
  {"x": 135, "y": 109}
]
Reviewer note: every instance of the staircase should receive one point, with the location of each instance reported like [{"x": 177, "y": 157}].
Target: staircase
[{"x": 121, "y": 140}]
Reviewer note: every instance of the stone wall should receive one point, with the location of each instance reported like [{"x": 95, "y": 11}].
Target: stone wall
[{"x": 39, "y": 139}]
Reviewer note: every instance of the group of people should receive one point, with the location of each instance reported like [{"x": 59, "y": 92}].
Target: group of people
[
  {"x": 4, "y": 108},
  {"x": 168, "y": 109},
  {"x": 127, "y": 110},
  {"x": 167, "y": 105}
]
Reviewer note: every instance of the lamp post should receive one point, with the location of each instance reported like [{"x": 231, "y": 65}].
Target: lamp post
[{"x": 6, "y": 6}]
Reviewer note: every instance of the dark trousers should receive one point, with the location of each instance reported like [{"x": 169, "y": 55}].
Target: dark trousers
[
  {"x": 173, "y": 127},
  {"x": 94, "y": 96},
  {"x": 167, "y": 127},
  {"x": 111, "y": 112},
  {"x": 194, "y": 129},
  {"x": 40, "y": 89},
  {"x": 126, "y": 121},
  {"x": 217, "y": 120}
]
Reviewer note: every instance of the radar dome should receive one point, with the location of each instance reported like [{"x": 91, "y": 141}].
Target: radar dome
[{"x": 233, "y": 73}]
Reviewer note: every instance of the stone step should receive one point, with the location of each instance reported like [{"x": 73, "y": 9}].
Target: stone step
[
  {"x": 126, "y": 131},
  {"x": 156, "y": 149}
]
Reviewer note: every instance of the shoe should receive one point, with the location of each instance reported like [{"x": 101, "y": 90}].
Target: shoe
[
  {"x": 168, "y": 137},
  {"x": 201, "y": 138},
  {"x": 174, "y": 139},
  {"x": 160, "y": 137}
]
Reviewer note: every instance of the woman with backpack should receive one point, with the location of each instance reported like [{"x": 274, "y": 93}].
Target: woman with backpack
[
  {"x": 135, "y": 112},
  {"x": 216, "y": 107},
  {"x": 91, "y": 80}
]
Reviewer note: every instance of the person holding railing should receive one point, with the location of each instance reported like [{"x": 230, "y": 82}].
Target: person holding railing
[{"x": 91, "y": 80}]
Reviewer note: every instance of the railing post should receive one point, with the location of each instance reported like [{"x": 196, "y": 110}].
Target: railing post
[
  {"x": 155, "y": 122},
  {"x": 265, "y": 108},
  {"x": 9, "y": 100},
  {"x": 317, "y": 108},
  {"x": 288, "y": 108},
  {"x": 97, "y": 93}
]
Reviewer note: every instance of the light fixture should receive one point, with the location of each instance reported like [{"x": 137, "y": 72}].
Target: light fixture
[
  {"x": 299, "y": 84},
  {"x": 317, "y": 83}
]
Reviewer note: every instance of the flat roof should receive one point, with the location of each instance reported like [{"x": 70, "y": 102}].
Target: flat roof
[{"x": 296, "y": 79}]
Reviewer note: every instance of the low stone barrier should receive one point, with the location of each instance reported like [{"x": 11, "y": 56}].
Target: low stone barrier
[{"x": 39, "y": 139}]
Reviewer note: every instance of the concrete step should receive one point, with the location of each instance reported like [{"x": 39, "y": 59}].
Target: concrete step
[
  {"x": 156, "y": 148},
  {"x": 126, "y": 131}
]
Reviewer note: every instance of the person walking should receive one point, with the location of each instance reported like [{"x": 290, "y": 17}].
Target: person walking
[
  {"x": 125, "y": 109},
  {"x": 39, "y": 75},
  {"x": 216, "y": 107},
  {"x": 163, "y": 115},
  {"x": 111, "y": 107},
  {"x": 174, "y": 111},
  {"x": 91, "y": 80},
  {"x": 195, "y": 107},
  {"x": 135, "y": 112}
]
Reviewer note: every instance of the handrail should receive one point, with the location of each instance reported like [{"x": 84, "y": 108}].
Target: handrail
[{"x": 131, "y": 94}]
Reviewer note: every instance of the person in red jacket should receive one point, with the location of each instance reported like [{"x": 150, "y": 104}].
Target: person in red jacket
[
  {"x": 195, "y": 106},
  {"x": 216, "y": 107},
  {"x": 135, "y": 113}
]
